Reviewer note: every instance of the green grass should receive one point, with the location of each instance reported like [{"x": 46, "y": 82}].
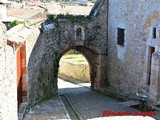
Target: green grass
[
  {"x": 70, "y": 57},
  {"x": 75, "y": 58}
]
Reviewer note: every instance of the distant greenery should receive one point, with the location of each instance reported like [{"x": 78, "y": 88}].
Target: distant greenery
[
  {"x": 69, "y": 57},
  {"x": 72, "y": 51},
  {"x": 16, "y": 22},
  {"x": 75, "y": 58}
]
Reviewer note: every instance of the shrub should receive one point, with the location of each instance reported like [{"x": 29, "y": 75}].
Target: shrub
[{"x": 14, "y": 23}]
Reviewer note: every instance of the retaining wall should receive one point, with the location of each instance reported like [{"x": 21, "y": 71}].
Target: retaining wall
[{"x": 74, "y": 71}]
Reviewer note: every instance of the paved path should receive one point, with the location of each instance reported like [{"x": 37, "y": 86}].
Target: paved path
[
  {"x": 52, "y": 109},
  {"x": 88, "y": 104}
]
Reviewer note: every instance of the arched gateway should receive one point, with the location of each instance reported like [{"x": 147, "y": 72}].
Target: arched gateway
[
  {"x": 87, "y": 37},
  {"x": 92, "y": 57}
]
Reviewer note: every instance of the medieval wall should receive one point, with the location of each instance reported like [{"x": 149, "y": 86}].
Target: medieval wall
[
  {"x": 8, "y": 86},
  {"x": 30, "y": 42},
  {"x": 127, "y": 64},
  {"x": 53, "y": 43}
]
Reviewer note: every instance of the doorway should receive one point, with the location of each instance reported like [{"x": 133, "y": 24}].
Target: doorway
[
  {"x": 151, "y": 51},
  {"x": 74, "y": 66}
]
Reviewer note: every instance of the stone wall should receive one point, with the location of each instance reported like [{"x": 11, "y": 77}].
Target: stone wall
[
  {"x": 53, "y": 43},
  {"x": 30, "y": 42},
  {"x": 8, "y": 85},
  {"x": 124, "y": 67},
  {"x": 127, "y": 65},
  {"x": 69, "y": 70}
]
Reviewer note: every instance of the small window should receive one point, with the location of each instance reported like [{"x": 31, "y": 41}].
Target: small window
[
  {"x": 154, "y": 33},
  {"x": 79, "y": 32},
  {"x": 120, "y": 38}
]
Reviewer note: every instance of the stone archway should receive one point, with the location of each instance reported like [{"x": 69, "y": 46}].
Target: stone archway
[
  {"x": 51, "y": 44},
  {"x": 91, "y": 56},
  {"x": 43, "y": 71}
]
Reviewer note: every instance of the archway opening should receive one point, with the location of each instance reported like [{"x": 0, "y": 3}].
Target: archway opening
[
  {"x": 88, "y": 56},
  {"x": 74, "y": 68},
  {"x": 47, "y": 73},
  {"x": 77, "y": 77}
]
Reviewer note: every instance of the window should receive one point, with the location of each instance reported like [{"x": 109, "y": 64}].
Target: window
[
  {"x": 154, "y": 33},
  {"x": 79, "y": 32},
  {"x": 120, "y": 38}
]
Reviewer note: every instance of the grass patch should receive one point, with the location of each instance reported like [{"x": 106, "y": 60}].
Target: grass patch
[
  {"x": 80, "y": 60},
  {"x": 69, "y": 57},
  {"x": 75, "y": 58}
]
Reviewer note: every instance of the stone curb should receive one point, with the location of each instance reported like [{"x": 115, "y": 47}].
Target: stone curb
[
  {"x": 64, "y": 108},
  {"x": 70, "y": 103},
  {"x": 22, "y": 110}
]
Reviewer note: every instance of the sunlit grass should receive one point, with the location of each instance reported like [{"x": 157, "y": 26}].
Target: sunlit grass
[{"x": 75, "y": 58}]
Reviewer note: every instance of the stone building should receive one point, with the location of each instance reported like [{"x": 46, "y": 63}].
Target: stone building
[
  {"x": 132, "y": 39},
  {"x": 3, "y": 12},
  {"x": 86, "y": 35},
  {"x": 118, "y": 43},
  {"x": 13, "y": 59},
  {"x": 8, "y": 84}
]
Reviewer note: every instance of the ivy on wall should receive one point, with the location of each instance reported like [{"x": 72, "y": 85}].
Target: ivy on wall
[{"x": 72, "y": 18}]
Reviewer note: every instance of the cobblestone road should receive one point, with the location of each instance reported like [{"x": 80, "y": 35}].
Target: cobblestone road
[
  {"x": 90, "y": 104},
  {"x": 87, "y": 104}
]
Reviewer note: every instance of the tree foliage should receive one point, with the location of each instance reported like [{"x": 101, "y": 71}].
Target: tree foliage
[{"x": 16, "y": 22}]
